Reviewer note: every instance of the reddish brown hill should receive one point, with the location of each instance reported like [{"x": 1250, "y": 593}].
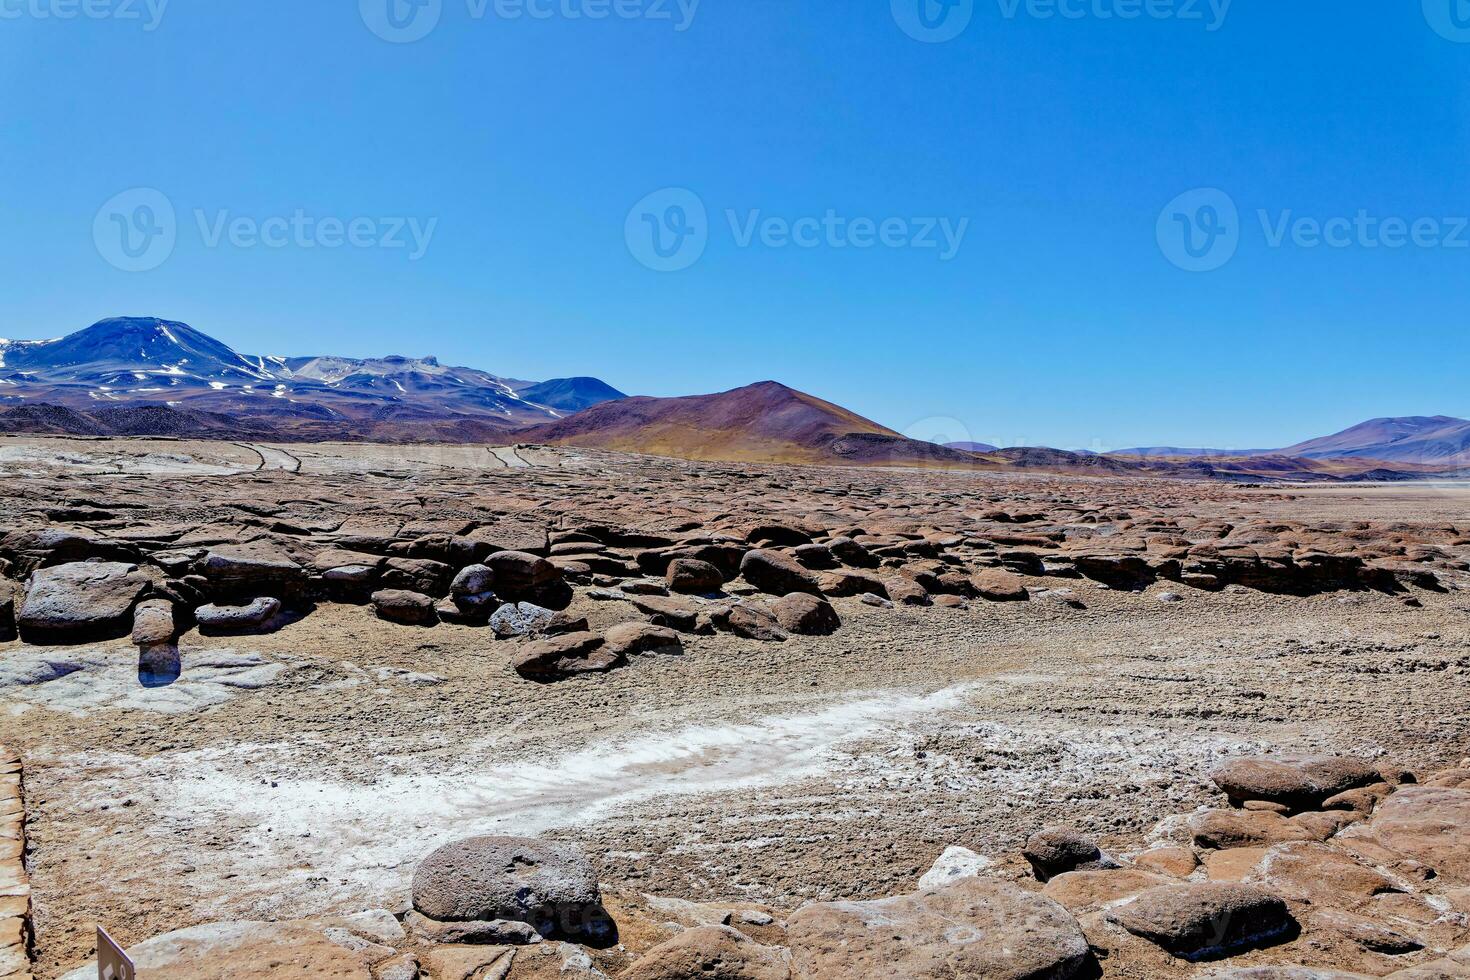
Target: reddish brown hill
[{"x": 764, "y": 422}]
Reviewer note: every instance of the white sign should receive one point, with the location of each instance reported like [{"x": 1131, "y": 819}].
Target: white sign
[{"x": 112, "y": 962}]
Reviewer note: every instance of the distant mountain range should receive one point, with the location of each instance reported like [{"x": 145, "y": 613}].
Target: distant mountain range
[
  {"x": 131, "y": 361},
  {"x": 146, "y": 376},
  {"x": 1436, "y": 441}
]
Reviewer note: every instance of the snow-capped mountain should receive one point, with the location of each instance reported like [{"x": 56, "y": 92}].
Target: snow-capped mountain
[{"x": 145, "y": 360}]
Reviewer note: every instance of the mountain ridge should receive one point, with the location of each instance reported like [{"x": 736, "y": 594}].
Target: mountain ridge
[{"x": 133, "y": 361}]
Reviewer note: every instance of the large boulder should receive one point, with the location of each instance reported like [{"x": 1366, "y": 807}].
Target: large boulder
[
  {"x": 806, "y": 615},
  {"x": 1427, "y": 824},
  {"x": 153, "y": 623},
  {"x": 711, "y": 953},
  {"x": 557, "y": 657},
  {"x": 1205, "y": 919},
  {"x": 753, "y": 622},
  {"x": 80, "y": 601},
  {"x": 777, "y": 573},
  {"x": 973, "y": 928},
  {"x": 1225, "y": 829},
  {"x": 550, "y": 887},
  {"x": 1298, "y": 783},
  {"x": 519, "y": 575},
  {"x": 529, "y": 619},
  {"x": 999, "y": 585},
  {"x": 628, "y": 639},
  {"x": 1053, "y": 851},
  {"x": 472, "y": 580},
  {"x": 408, "y": 608},
  {"x": 251, "y": 617},
  {"x": 425, "y": 575},
  {"x": 251, "y": 570},
  {"x": 693, "y": 577}
]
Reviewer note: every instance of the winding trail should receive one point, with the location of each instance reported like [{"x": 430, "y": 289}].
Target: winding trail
[
  {"x": 276, "y": 459},
  {"x": 509, "y": 456}
]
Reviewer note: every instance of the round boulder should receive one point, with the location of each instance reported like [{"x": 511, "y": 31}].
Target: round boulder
[
  {"x": 806, "y": 615},
  {"x": 550, "y": 887},
  {"x": 1056, "y": 850},
  {"x": 694, "y": 577},
  {"x": 409, "y": 608},
  {"x": 1203, "y": 919},
  {"x": 777, "y": 573}
]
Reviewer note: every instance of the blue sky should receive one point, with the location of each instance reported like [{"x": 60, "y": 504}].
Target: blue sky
[{"x": 524, "y": 143}]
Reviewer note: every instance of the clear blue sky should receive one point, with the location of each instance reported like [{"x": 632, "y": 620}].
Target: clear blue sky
[{"x": 1059, "y": 321}]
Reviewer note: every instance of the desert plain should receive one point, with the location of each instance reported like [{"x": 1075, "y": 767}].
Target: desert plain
[{"x": 1009, "y": 653}]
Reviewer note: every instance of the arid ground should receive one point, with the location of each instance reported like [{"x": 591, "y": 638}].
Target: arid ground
[{"x": 307, "y": 771}]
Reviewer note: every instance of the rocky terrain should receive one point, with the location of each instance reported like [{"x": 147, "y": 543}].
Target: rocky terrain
[{"x": 519, "y": 711}]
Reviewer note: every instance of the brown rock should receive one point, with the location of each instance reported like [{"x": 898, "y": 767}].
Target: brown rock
[
  {"x": 907, "y": 592},
  {"x": 1178, "y": 862},
  {"x": 806, "y": 615},
  {"x": 777, "y": 573},
  {"x": 551, "y": 887},
  {"x": 711, "y": 953},
  {"x": 558, "y": 657},
  {"x": 973, "y": 928},
  {"x": 1056, "y": 850},
  {"x": 693, "y": 577},
  {"x": 1320, "y": 875},
  {"x": 1000, "y": 586},
  {"x": 1245, "y": 828},
  {"x": 1198, "y": 920},
  {"x": 80, "y": 601},
  {"x": 1085, "y": 891},
  {"x": 153, "y": 623},
  {"x": 1301, "y": 783},
  {"x": 1235, "y": 864},
  {"x": 1429, "y": 824},
  {"x": 628, "y": 639},
  {"x": 847, "y": 584},
  {"x": 754, "y": 622},
  {"x": 409, "y": 608}
]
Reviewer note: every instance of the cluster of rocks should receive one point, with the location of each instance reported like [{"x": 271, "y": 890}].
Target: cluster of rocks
[
  {"x": 762, "y": 553},
  {"x": 1319, "y": 868}
]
